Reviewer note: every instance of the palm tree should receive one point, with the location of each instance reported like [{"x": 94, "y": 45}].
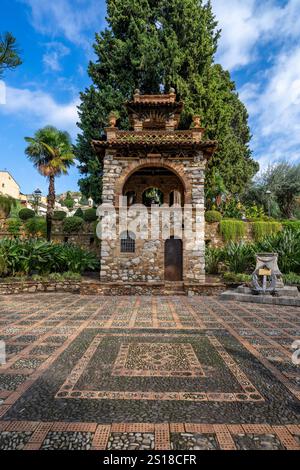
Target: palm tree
[
  {"x": 51, "y": 152},
  {"x": 6, "y": 205}
]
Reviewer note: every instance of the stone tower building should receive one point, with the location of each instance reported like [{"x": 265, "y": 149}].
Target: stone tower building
[{"x": 156, "y": 166}]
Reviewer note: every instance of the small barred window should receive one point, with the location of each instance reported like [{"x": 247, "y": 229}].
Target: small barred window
[{"x": 127, "y": 242}]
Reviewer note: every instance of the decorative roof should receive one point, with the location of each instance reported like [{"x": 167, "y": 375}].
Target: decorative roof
[
  {"x": 154, "y": 119},
  {"x": 146, "y": 139}
]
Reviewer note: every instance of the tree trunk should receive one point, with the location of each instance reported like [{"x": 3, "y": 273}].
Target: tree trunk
[{"x": 50, "y": 206}]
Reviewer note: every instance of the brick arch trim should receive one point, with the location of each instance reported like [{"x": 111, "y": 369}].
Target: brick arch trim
[{"x": 135, "y": 166}]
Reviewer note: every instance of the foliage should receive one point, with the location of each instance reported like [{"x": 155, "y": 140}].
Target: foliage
[
  {"x": 14, "y": 212},
  {"x": 36, "y": 227},
  {"x": 41, "y": 257},
  {"x": 59, "y": 215},
  {"x": 232, "y": 230},
  {"x": 7, "y": 203},
  {"x": 216, "y": 190},
  {"x": 291, "y": 225},
  {"x": 255, "y": 212},
  {"x": 90, "y": 215},
  {"x": 287, "y": 245},
  {"x": 26, "y": 214},
  {"x": 233, "y": 209},
  {"x": 79, "y": 213},
  {"x": 236, "y": 278},
  {"x": 213, "y": 257},
  {"x": 291, "y": 279},
  {"x": 14, "y": 226},
  {"x": 51, "y": 152},
  {"x": 282, "y": 180},
  {"x": 261, "y": 229},
  {"x": 9, "y": 55},
  {"x": 240, "y": 257},
  {"x": 154, "y": 46},
  {"x": 72, "y": 224},
  {"x": 213, "y": 216}
]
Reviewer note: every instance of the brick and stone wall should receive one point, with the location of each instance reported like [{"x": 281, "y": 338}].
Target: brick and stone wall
[{"x": 147, "y": 263}]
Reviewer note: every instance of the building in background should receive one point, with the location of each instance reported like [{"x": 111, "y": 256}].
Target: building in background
[{"x": 8, "y": 185}]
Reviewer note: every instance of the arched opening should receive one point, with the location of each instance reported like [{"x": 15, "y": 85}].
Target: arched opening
[
  {"x": 173, "y": 259},
  {"x": 153, "y": 196},
  {"x": 131, "y": 198},
  {"x": 153, "y": 185}
]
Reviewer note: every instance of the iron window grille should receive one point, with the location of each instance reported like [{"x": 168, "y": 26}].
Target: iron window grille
[{"x": 127, "y": 243}]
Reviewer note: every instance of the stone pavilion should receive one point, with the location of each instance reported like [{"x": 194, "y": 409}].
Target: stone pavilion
[{"x": 154, "y": 165}]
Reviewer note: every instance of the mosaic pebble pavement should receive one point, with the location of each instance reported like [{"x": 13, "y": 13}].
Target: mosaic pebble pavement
[{"x": 145, "y": 373}]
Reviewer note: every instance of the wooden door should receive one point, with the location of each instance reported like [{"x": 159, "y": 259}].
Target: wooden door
[{"x": 173, "y": 259}]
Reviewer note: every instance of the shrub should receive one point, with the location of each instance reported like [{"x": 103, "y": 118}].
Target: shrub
[
  {"x": 262, "y": 229},
  {"x": 26, "y": 214},
  {"x": 232, "y": 230},
  {"x": 72, "y": 224},
  {"x": 7, "y": 203},
  {"x": 213, "y": 216},
  {"x": 240, "y": 257},
  {"x": 90, "y": 215},
  {"x": 79, "y": 213},
  {"x": 59, "y": 215},
  {"x": 291, "y": 225},
  {"x": 291, "y": 279},
  {"x": 14, "y": 226},
  {"x": 287, "y": 245},
  {"x": 41, "y": 257},
  {"x": 36, "y": 227},
  {"x": 213, "y": 256},
  {"x": 236, "y": 278}
]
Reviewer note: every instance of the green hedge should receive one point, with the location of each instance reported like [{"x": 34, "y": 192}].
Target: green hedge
[
  {"x": 232, "y": 230},
  {"x": 213, "y": 216},
  {"x": 26, "y": 214},
  {"x": 72, "y": 224},
  {"x": 59, "y": 215},
  {"x": 36, "y": 227},
  {"x": 90, "y": 215},
  {"x": 261, "y": 229}
]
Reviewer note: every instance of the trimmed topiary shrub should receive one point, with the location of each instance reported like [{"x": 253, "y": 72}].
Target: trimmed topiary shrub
[
  {"x": 36, "y": 227},
  {"x": 79, "y": 213},
  {"x": 59, "y": 215},
  {"x": 26, "y": 214},
  {"x": 72, "y": 224},
  {"x": 213, "y": 216},
  {"x": 232, "y": 230},
  {"x": 261, "y": 229},
  {"x": 90, "y": 215}
]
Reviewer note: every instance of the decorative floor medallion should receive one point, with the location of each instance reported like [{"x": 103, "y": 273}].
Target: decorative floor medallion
[
  {"x": 157, "y": 360},
  {"x": 174, "y": 361}
]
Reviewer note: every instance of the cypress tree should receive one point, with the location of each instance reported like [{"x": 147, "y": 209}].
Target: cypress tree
[{"x": 154, "y": 45}]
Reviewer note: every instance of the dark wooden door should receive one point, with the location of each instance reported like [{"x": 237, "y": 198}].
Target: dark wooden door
[{"x": 173, "y": 259}]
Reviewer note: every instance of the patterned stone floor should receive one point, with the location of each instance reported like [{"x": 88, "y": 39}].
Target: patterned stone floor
[{"x": 182, "y": 373}]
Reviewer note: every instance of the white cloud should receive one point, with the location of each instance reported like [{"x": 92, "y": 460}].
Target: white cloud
[
  {"x": 73, "y": 19},
  {"x": 40, "y": 109},
  {"x": 55, "y": 52},
  {"x": 248, "y": 24},
  {"x": 275, "y": 109}
]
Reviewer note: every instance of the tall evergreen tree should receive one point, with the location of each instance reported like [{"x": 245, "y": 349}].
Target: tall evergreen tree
[{"x": 154, "y": 45}]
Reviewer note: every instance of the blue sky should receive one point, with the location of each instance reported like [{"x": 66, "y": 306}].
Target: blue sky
[{"x": 260, "y": 45}]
